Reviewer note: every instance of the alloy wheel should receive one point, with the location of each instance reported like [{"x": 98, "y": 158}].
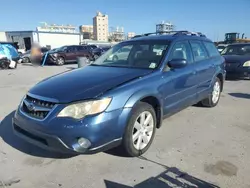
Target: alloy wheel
[
  {"x": 216, "y": 92},
  {"x": 142, "y": 130}
]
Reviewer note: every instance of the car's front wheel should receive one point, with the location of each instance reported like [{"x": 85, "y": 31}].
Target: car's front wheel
[
  {"x": 140, "y": 130},
  {"x": 214, "y": 97}
]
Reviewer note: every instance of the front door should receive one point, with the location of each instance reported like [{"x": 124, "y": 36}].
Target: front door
[{"x": 180, "y": 84}]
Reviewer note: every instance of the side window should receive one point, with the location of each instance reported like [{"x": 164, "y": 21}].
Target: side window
[
  {"x": 181, "y": 50},
  {"x": 80, "y": 48},
  {"x": 71, "y": 49},
  {"x": 199, "y": 50},
  {"x": 212, "y": 50}
]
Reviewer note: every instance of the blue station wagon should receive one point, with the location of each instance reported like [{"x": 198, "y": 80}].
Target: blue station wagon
[{"x": 122, "y": 101}]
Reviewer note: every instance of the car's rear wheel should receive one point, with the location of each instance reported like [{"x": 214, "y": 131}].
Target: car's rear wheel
[
  {"x": 60, "y": 61},
  {"x": 26, "y": 60},
  {"x": 140, "y": 131},
  {"x": 214, "y": 97}
]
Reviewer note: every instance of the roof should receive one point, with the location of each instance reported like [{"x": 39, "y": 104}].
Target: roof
[
  {"x": 170, "y": 37},
  {"x": 239, "y": 44}
]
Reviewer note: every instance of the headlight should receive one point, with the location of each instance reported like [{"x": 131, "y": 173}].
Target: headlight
[
  {"x": 55, "y": 55},
  {"x": 80, "y": 110},
  {"x": 246, "y": 64}
]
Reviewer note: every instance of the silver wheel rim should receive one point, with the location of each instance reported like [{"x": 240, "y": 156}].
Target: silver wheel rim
[
  {"x": 60, "y": 61},
  {"x": 216, "y": 92},
  {"x": 142, "y": 130}
]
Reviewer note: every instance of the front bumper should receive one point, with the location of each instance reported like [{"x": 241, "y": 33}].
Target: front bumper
[
  {"x": 103, "y": 131},
  {"x": 50, "y": 59},
  {"x": 238, "y": 71}
]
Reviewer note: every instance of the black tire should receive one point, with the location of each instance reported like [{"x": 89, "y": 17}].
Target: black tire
[
  {"x": 115, "y": 58},
  {"x": 26, "y": 60},
  {"x": 208, "y": 102},
  {"x": 127, "y": 142},
  {"x": 96, "y": 57},
  {"x": 60, "y": 61}
]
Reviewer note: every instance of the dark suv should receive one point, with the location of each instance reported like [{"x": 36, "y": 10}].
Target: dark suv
[
  {"x": 122, "y": 101},
  {"x": 67, "y": 54}
]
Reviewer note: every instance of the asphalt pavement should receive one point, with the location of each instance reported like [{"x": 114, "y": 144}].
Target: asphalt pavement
[{"x": 198, "y": 147}]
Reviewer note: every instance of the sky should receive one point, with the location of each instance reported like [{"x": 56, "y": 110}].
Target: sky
[{"x": 211, "y": 17}]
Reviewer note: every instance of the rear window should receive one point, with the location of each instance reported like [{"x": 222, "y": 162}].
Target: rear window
[{"x": 212, "y": 50}]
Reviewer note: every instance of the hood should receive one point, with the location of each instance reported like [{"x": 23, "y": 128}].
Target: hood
[
  {"x": 236, "y": 58},
  {"x": 85, "y": 83}
]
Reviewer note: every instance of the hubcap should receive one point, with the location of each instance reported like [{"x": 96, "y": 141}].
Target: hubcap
[
  {"x": 216, "y": 92},
  {"x": 143, "y": 130},
  {"x": 60, "y": 61}
]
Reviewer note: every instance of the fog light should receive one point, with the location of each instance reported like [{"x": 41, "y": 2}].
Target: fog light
[{"x": 84, "y": 143}]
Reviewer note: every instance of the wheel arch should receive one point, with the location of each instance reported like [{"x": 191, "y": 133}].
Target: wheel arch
[{"x": 153, "y": 99}]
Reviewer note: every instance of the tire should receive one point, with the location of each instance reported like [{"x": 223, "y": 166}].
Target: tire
[
  {"x": 96, "y": 57},
  {"x": 216, "y": 92},
  {"x": 130, "y": 146},
  {"x": 115, "y": 58},
  {"x": 26, "y": 60},
  {"x": 60, "y": 61}
]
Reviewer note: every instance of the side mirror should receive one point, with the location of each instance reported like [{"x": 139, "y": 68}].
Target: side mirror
[{"x": 177, "y": 63}]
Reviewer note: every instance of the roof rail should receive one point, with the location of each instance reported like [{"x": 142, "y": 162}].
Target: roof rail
[{"x": 174, "y": 33}]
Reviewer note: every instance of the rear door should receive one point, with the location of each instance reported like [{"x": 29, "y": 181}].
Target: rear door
[
  {"x": 71, "y": 53},
  {"x": 82, "y": 51},
  {"x": 204, "y": 67}
]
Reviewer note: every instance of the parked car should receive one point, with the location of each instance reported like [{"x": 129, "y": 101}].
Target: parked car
[
  {"x": 8, "y": 56},
  {"x": 121, "y": 54},
  {"x": 221, "y": 47},
  {"x": 25, "y": 57},
  {"x": 237, "y": 58},
  {"x": 99, "y": 51},
  {"x": 67, "y": 54},
  {"x": 122, "y": 102}
]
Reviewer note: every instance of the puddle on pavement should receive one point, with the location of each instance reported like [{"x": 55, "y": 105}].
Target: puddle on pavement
[{"x": 221, "y": 167}]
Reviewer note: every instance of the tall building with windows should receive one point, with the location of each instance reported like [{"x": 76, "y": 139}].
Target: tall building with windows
[
  {"x": 164, "y": 27},
  {"x": 86, "y": 31},
  {"x": 131, "y": 35},
  {"x": 100, "y": 27}
]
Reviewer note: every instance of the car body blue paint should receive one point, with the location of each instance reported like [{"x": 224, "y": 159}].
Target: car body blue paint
[{"x": 173, "y": 89}]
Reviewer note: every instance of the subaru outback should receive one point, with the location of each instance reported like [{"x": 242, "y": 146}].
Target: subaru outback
[{"x": 122, "y": 102}]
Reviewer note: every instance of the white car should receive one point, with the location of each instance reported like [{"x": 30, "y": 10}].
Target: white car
[{"x": 121, "y": 54}]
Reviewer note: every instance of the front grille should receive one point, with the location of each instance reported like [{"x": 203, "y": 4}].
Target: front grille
[{"x": 36, "y": 108}]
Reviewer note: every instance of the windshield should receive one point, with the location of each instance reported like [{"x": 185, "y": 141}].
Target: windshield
[
  {"x": 236, "y": 50},
  {"x": 134, "y": 54}
]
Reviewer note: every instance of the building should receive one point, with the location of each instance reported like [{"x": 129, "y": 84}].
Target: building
[
  {"x": 3, "y": 36},
  {"x": 100, "y": 27},
  {"x": 86, "y": 31},
  {"x": 117, "y": 34},
  {"x": 131, "y": 35},
  {"x": 56, "y": 28},
  {"x": 164, "y": 27},
  {"x": 25, "y": 39}
]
